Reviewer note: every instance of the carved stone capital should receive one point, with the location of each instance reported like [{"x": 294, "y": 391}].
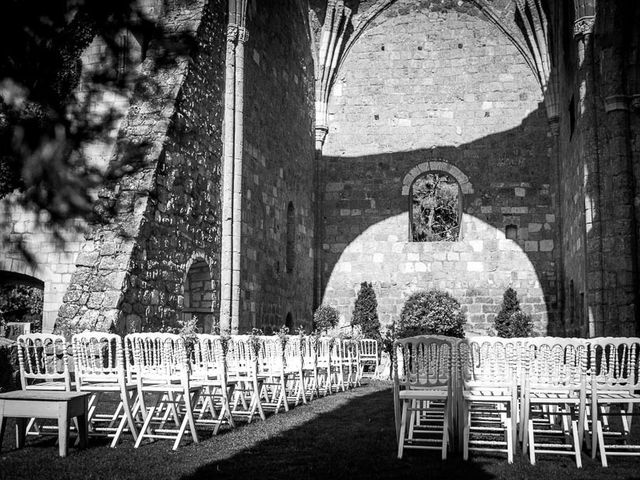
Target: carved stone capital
[
  {"x": 243, "y": 35},
  {"x": 583, "y": 26},
  {"x": 615, "y": 103},
  {"x": 321, "y": 135},
  {"x": 232, "y": 33}
]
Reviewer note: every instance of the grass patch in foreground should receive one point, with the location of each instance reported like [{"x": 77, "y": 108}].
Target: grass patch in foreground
[{"x": 346, "y": 435}]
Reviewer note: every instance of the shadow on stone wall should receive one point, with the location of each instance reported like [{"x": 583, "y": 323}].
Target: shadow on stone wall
[{"x": 366, "y": 228}]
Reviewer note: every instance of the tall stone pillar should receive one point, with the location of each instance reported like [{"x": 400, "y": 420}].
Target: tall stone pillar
[
  {"x": 587, "y": 115},
  {"x": 620, "y": 244},
  {"x": 318, "y": 279}
]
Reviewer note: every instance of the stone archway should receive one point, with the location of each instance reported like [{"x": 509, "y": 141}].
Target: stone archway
[
  {"x": 199, "y": 295},
  {"x": 436, "y": 166}
]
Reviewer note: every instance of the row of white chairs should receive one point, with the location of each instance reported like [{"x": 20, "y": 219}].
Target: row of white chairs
[
  {"x": 167, "y": 390},
  {"x": 551, "y": 394}
]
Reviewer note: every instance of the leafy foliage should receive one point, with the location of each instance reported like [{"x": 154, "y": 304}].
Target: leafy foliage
[
  {"x": 9, "y": 367},
  {"x": 521, "y": 325},
  {"x": 325, "y": 318},
  {"x": 21, "y": 303},
  {"x": 511, "y": 321},
  {"x": 365, "y": 312},
  {"x": 435, "y": 208},
  {"x": 48, "y": 114},
  {"x": 283, "y": 335},
  {"x": 431, "y": 313},
  {"x": 254, "y": 340}
]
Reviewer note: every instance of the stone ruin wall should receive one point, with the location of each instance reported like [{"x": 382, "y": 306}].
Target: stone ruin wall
[
  {"x": 438, "y": 85},
  {"x": 131, "y": 272},
  {"x": 598, "y": 188},
  {"x": 278, "y": 167},
  {"x": 182, "y": 222}
]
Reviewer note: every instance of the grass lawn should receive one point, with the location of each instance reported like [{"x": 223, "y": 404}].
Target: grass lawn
[{"x": 347, "y": 435}]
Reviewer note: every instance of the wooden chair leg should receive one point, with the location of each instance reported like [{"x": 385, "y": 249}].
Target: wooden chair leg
[
  {"x": 532, "y": 447},
  {"x": 510, "y": 443},
  {"x": 602, "y": 446},
  {"x": 21, "y": 431},
  {"x": 3, "y": 427},
  {"x": 403, "y": 424},
  {"x": 145, "y": 426},
  {"x": 576, "y": 443}
]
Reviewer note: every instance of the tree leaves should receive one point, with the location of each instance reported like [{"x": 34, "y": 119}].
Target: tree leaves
[{"x": 435, "y": 208}]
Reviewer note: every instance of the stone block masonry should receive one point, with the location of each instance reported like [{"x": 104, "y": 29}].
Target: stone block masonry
[
  {"x": 131, "y": 273},
  {"x": 278, "y": 169},
  {"x": 433, "y": 88}
]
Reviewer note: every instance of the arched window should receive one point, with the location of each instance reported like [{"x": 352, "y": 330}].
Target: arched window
[
  {"x": 289, "y": 322},
  {"x": 291, "y": 238},
  {"x": 199, "y": 295},
  {"x": 435, "y": 208}
]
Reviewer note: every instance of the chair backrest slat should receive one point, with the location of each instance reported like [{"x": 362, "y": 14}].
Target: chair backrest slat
[
  {"x": 423, "y": 361},
  {"x": 43, "y": 357},
  {"x": 98, "y": 357},
  {"x": 157, "y": 356},
  {"x": 614, "y": 363}
]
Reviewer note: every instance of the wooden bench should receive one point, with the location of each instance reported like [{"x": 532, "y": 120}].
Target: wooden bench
[{"x": 63, "y": 406}]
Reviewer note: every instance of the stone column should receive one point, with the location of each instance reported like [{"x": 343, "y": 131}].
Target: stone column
[
  {"x": 318, "y": 278},
  {"x": 227, "y": 177},
  {"x": 238, "y": 152},
  {"x": 593, "y": 280},
  {"x": 620, "y": 246},
  {"x": 232, "y": 168}
]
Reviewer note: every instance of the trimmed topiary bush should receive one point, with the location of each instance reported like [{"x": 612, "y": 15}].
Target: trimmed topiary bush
[
  {"x": 511, "y": 321},
  {"x": 365, "y": 312},
  {"x": 325, "y": 318},
  {"x": 431, "y": 313},
  {"x": 520, "y": 325},
  {"x": 510, "y": 305}
]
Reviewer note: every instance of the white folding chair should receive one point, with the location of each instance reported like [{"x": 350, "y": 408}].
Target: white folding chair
[
  {"x": 488, "y": 395},
  {"x": 271, "y": 371},
  {"x": 160, "y": 367},
  {"x": 338, "y": 366},
  {"x": 351, "y": 363},
  {"x": 294, "y": 369},
  {"x": 99, "y": 369},
  {"x": 323, "y": 365},
  {"x": 43, "y": 360},
  {"x": 369, "y": 359},
  {"x": 423, "y": 392},
  {"x": 554, "y": 397},
  {"x": 209, "y": 369},
  {"x": 309, "y": 368},
  {"x": 614, "y": 365},
  {"x": 242, "y": 368}
]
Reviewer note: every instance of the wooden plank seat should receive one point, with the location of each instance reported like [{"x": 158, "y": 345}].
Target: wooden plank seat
[{"x": 59, "y": 405}]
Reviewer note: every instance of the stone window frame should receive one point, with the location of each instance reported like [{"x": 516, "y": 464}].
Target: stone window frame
[{"x": 435, "y": 166}]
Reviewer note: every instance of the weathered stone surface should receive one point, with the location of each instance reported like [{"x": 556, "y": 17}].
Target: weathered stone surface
[
  {"x": 279, "y": 168},
  {"x": 469, "y": 119}
]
